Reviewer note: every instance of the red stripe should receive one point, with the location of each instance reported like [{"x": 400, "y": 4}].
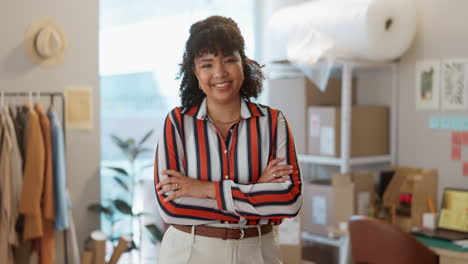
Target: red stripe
[
  {"x": 254, "y": 149},
  {"x": 274, "y": 124},
  {"x": 171, "y": 155},
  {"x": 253, "y": 109},
  {"x": 193, "y": 110},
  {"x": 263, "y": 198},
  {"x": 193, "y": 212},
  {"x": 203, "y": 151}
]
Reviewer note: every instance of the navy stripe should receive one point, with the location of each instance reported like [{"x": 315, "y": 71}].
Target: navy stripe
[
  {"x": 260, "y": 111},
  {"x": 221, "y": 192},
  {"x": 259, "y": 148},
  {"x": 176, "y": 122},
  {"x": 166, "y": 150},
  {"x": 236, "y": 159},
  {"x": 197, "y": 146},
  {"x": 288, "y": 156},
  {"x": 249, "y": 152},
  {"x": 221, "y": 156},
  {"x": 207, "y": 149}
]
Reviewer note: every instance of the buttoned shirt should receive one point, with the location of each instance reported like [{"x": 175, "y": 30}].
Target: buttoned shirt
[{"x": 191, "y": 144}]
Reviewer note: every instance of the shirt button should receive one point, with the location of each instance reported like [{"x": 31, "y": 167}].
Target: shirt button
[
  {"x": 226, "y": 177},
  {"x": 225, "y": 151}
]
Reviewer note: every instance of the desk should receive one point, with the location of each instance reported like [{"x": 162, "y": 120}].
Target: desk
[{"x": 447, "y": 251}]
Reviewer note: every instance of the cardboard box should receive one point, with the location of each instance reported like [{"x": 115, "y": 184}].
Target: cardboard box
[
  {"x": 370, "y": 130},
  {"x": 421, "y": 184},
  {"x": 289, "y": 238},
  {"x": 291, "y": 254},
  {"x": 293, "y": 96},
  {"x": 326, "y": 204},
  {"x": 332, "y": 94}
]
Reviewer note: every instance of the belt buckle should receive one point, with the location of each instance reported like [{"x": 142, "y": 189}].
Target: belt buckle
[{"x": 242, "y": 233}]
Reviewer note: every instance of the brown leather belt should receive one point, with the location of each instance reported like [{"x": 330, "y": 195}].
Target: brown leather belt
[{"x": 225, "y": 233}]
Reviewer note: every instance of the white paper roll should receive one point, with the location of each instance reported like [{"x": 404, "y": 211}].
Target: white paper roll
[{"x": 376, "y": 30}]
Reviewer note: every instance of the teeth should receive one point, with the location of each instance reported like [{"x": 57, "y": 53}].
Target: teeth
[{"x": 221, "y": 84}]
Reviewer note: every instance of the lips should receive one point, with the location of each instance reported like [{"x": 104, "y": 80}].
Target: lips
[{"x": 223, "y": 85}]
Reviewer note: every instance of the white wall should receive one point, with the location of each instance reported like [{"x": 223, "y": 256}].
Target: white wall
[
  {"x": 441, "y": 35},
  {"x": 80, "y": 67}
]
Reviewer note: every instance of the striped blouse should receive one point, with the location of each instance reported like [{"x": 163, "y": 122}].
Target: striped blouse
[{"x": 192, "y": 145}]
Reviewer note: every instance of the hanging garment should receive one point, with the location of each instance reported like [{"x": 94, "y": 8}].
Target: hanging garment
[
  {"x": 6, "y": 186},
  {"x": 46, "y": 242},
  {"x": 16, "y": 178},
  {"x": 20, "y": 121},
  {"x": 59, "y": 171},
  {"x": 33, "y": 180}
]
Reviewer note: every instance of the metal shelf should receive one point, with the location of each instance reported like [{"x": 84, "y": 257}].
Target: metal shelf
[{"x": 335, "y": 161}]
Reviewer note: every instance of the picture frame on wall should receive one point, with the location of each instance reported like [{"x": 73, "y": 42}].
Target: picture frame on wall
[
  {"x": 427, "y": 85},
  {"x": 454, "y": 89}
]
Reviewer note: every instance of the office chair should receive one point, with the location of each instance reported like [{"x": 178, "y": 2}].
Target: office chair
[{"x": 377, "y": 242}]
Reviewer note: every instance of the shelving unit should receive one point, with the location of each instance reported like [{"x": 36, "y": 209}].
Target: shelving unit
[{"x": 345, "y": 161}]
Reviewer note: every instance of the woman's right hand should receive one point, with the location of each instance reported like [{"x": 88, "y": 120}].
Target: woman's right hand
[{"x": 276, "y": 173}]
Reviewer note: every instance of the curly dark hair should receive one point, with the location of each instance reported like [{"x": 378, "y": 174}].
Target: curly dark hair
[{"x": 212, "y": 35}]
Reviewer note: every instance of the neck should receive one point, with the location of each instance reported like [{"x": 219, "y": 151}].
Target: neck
[{"x": 225, "y": 112}]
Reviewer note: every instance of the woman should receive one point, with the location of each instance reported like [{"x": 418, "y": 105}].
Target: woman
[{"x": 226, "y": 169}]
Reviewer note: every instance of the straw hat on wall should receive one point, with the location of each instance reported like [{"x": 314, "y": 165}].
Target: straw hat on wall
[{"x": 45, "y": 42}]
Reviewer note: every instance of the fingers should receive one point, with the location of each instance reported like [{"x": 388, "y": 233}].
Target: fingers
[
  {"x": 169, "y": 188},
  {"x": 274, "y": 162},
  {"x": 281, "y": 168},
  {"x": 281, "y": 179},
  {"x": 166, "y": 181},
  {"x": 173, "y": 173},
  {"x": 173, "y": 196}
]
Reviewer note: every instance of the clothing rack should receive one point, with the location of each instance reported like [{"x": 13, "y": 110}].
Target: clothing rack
[{"x": 51, "y": 95}]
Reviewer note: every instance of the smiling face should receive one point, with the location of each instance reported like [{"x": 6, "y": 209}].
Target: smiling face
[{"x": 220, "y": 77}]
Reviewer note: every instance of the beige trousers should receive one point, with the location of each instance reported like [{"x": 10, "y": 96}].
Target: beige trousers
[{"x": 180, "y": 248}]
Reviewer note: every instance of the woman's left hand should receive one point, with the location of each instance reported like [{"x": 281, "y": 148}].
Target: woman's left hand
[{"x": 182, "y": 185}]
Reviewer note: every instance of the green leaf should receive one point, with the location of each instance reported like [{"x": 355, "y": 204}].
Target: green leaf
[
  {"x": 145, "y": 138},
  {"x": 155, "y": 232},
  {"x": 119, "y": 142},
  {"x": 121, "y": 183},
  {"x": 123, "y": 207},
  {"x": 119, "y": 170},
  {"x": 98, "y": 208}
]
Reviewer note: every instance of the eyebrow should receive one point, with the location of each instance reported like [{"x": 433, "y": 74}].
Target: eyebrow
[
  {"x": 210, "y": 59},
  {"x": 205, "y": 60}
]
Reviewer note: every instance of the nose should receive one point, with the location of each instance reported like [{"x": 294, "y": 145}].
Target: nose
[{"x": 220, "y": 71}]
